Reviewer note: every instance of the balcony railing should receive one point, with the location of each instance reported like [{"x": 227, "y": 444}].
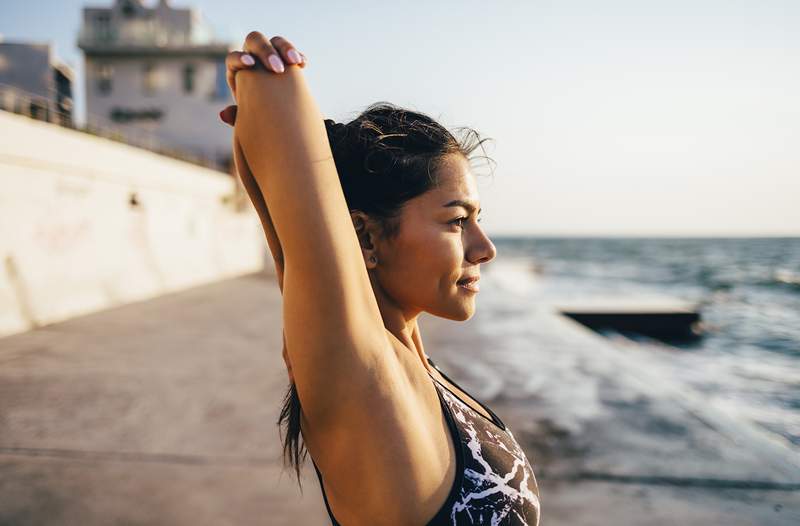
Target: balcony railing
[
  {"x": 148, "y": 33},
  {"x": 21, "y": 102}
]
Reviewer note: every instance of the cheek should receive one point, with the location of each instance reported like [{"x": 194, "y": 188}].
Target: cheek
[
  {"x": 423, "y": 271},
  {"x": 440, "y": 266}
]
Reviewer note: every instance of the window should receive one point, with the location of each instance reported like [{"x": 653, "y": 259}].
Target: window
[
  {"x": 149, "y": 79},
  {"x": 128, "y": 10},
  {"x": 188, "y": 78},
  {"x": 104, "y": 74},
  {"x": 220, "y": 84},
  {"x": 103, "y": 26}
]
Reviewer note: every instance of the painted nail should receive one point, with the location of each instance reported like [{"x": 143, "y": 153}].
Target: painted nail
[
  {"x": 294, "y": 56},
  {"x": 248, "y": 60},
  {"x": 276, "y": 63}
]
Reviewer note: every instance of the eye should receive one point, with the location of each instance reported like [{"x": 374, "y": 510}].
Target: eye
[{"x": 459, "y": 221}]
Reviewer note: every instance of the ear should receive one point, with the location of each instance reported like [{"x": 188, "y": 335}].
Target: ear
[{"x": 368, "y": 234}]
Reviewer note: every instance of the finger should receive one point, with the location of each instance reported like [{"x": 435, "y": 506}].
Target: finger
[
  {"x": 258, "y": 45},
  {"x": 228, "y": 115},
  {"x": 235, "y": 61},
  {"x": 289, "y": 53},
  {"x": 303, "y": 63}
]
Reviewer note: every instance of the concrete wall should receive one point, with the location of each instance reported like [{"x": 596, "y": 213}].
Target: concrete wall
[{"x": 87, "y": 223}]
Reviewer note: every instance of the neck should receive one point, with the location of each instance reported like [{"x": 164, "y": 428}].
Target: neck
[{"x": 402, "y": 324}]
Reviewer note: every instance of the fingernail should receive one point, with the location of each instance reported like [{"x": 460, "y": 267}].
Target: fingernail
[
  {"x": 276, "y": 63},
  {"x": 294, "y": 56},
  {"x": 248, "y": 60}
]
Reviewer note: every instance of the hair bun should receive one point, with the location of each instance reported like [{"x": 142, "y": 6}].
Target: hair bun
[
  {"x": 336, "y": 130},
  {"x": 345, "y": 147}
]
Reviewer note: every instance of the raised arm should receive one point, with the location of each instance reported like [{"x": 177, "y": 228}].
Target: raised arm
[
  {"x": 273, "y": 242},
  {"x": 235, "y": 61},
  {"x": 334, "y": 332},
  {"x": 251, "y": 186}
]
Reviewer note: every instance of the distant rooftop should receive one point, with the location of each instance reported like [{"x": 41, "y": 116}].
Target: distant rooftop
[
  {"x": 29, "y": 66},
  {"x": 130, "y": 26}
]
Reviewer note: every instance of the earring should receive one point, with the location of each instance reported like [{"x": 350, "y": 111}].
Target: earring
[{"x": 373, "y": 259}]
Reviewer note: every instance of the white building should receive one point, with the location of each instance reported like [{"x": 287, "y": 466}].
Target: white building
[
  {"x": 34, "y": 83},
  {"x": 157, "y": 72}
]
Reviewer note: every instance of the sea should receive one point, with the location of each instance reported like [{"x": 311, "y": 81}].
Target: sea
[{"x": 747, "y": 290}]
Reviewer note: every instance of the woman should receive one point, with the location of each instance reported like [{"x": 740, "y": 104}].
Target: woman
[{"x": 392, "y": 438}]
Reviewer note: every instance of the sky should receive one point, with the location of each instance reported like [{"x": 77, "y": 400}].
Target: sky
[{"x": 614, "y": 118}]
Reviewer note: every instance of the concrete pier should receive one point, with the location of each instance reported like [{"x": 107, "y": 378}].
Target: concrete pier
[{"x": 667, "y": 320}]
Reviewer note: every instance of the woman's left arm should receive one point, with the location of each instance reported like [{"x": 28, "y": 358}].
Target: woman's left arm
[
  {"x": 260, "y": 205},
  {"x": 236, "y": 61},
  {"x": 251, "y": 186}
]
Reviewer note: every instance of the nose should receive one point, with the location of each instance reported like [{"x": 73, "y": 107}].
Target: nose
[{"x": 481, "y": 250}]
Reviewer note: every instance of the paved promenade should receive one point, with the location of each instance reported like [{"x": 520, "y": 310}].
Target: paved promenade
[
  {"x": 161, "y": 412},
  {"x": 165, "y": 411}
]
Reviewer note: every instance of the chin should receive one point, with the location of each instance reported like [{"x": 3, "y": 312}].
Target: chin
[
  {"x": 456, "y": 314},
  {"x": 465, "y": 317}
]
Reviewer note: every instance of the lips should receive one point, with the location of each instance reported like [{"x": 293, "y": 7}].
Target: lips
[{"x": 469, "y": 284}]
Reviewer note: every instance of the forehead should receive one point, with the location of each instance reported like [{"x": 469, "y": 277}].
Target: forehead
[{"x": 456, "y": 181}]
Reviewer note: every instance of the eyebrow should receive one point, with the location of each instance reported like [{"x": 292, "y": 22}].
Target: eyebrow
[{"x": 464, "y": 204}]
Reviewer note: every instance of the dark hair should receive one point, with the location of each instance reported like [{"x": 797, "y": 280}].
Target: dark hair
[{"x": 384, "y": 157}]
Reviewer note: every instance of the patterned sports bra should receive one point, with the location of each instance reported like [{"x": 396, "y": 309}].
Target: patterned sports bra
[{"x": 494, "y": 481}]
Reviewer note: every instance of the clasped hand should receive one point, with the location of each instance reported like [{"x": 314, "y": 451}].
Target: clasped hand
[{"x": 271, "y": 53}]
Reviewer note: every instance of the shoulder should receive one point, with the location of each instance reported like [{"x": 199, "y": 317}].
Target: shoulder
[{"x": 390, "y": 443}]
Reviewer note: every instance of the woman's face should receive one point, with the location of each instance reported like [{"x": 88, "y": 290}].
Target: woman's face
[{"x": 439, "y": 242}]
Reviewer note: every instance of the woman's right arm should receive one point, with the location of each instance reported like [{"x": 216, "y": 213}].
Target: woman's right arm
[{"x": 341, "y": 356}]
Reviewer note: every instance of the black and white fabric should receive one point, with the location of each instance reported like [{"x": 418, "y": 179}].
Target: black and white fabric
[{"x": 495, "y": 484}]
